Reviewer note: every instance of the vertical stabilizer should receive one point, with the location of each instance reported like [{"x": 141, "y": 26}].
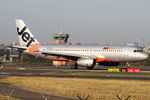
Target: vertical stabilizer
[{"x": 25, "y": 36}]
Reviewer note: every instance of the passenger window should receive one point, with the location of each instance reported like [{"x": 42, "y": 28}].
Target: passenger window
[{"x": 138, "y": 50}]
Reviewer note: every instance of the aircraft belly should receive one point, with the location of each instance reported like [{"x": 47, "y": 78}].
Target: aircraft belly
[{"x": 51, "y": 57}]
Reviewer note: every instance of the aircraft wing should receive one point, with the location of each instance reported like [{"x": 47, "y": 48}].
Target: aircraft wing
[{"x": 66, "y": 55}]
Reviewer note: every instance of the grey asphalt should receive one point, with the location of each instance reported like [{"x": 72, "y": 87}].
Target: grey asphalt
[
  {"x": 42, "y": 71},
  {"x": 143, "y": 68},
  {"x": 88, "y": 77}
]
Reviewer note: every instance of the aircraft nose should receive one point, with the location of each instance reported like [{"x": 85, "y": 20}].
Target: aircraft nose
[{"x": 145, "y": 56}]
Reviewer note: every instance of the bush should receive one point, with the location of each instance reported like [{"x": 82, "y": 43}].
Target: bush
[{"x": 32, "y": 60}]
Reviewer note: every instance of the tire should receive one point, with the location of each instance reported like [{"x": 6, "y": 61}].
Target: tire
[
  {"x": 75, "y": 66},
  {"x": 91, "y": 67}
]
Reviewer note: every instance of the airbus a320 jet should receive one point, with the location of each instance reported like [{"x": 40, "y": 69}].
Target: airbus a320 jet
[{"x": 81, "y": 55}]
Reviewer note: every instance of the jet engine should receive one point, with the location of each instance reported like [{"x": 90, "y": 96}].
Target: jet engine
[{"x": 87, "y": 62}]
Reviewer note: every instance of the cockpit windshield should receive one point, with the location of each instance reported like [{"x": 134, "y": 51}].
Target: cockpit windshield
[{"x": 138, "y": 50}]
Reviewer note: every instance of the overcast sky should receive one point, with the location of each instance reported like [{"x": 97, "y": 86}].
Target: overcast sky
[{"x": 87, "y": 21}]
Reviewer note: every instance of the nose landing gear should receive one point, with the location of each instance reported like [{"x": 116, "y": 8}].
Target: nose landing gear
[{"x": 128, "y": 64}]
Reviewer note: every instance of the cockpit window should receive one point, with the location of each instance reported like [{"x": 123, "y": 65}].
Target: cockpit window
[{"x": 138, "y": 50}]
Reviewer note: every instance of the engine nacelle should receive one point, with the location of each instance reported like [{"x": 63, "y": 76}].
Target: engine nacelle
[{"x": 87, "y": 62}]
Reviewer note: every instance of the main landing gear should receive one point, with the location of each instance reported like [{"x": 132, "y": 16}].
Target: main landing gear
[
  {"x": 75, "y": 66},
  {"x": 91, "y": 67}
]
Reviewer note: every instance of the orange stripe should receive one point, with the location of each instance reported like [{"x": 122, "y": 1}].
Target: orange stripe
[
  {"x": 60, "y": 60},
  {"x": 71, "y": 60},
  {"x": 101, "y": 60},
  {"x": 110, "y": 48}
]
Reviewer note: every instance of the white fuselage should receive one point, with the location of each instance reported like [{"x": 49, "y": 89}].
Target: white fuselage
[{"x": 117, "y": 54}]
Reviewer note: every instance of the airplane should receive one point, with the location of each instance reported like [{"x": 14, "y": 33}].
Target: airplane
[{"x": 81, "y": 55}]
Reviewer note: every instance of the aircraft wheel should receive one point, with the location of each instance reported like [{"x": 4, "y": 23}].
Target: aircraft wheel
[
  {"x": 75, "y": 66},
  {"x": 91, "y": 67}
]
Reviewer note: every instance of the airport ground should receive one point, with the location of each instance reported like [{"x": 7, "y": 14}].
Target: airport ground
[{"x": 63, "y": 81}]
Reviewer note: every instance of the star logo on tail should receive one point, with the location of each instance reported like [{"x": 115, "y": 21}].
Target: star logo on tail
[{"x": 34, "y": 49}]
